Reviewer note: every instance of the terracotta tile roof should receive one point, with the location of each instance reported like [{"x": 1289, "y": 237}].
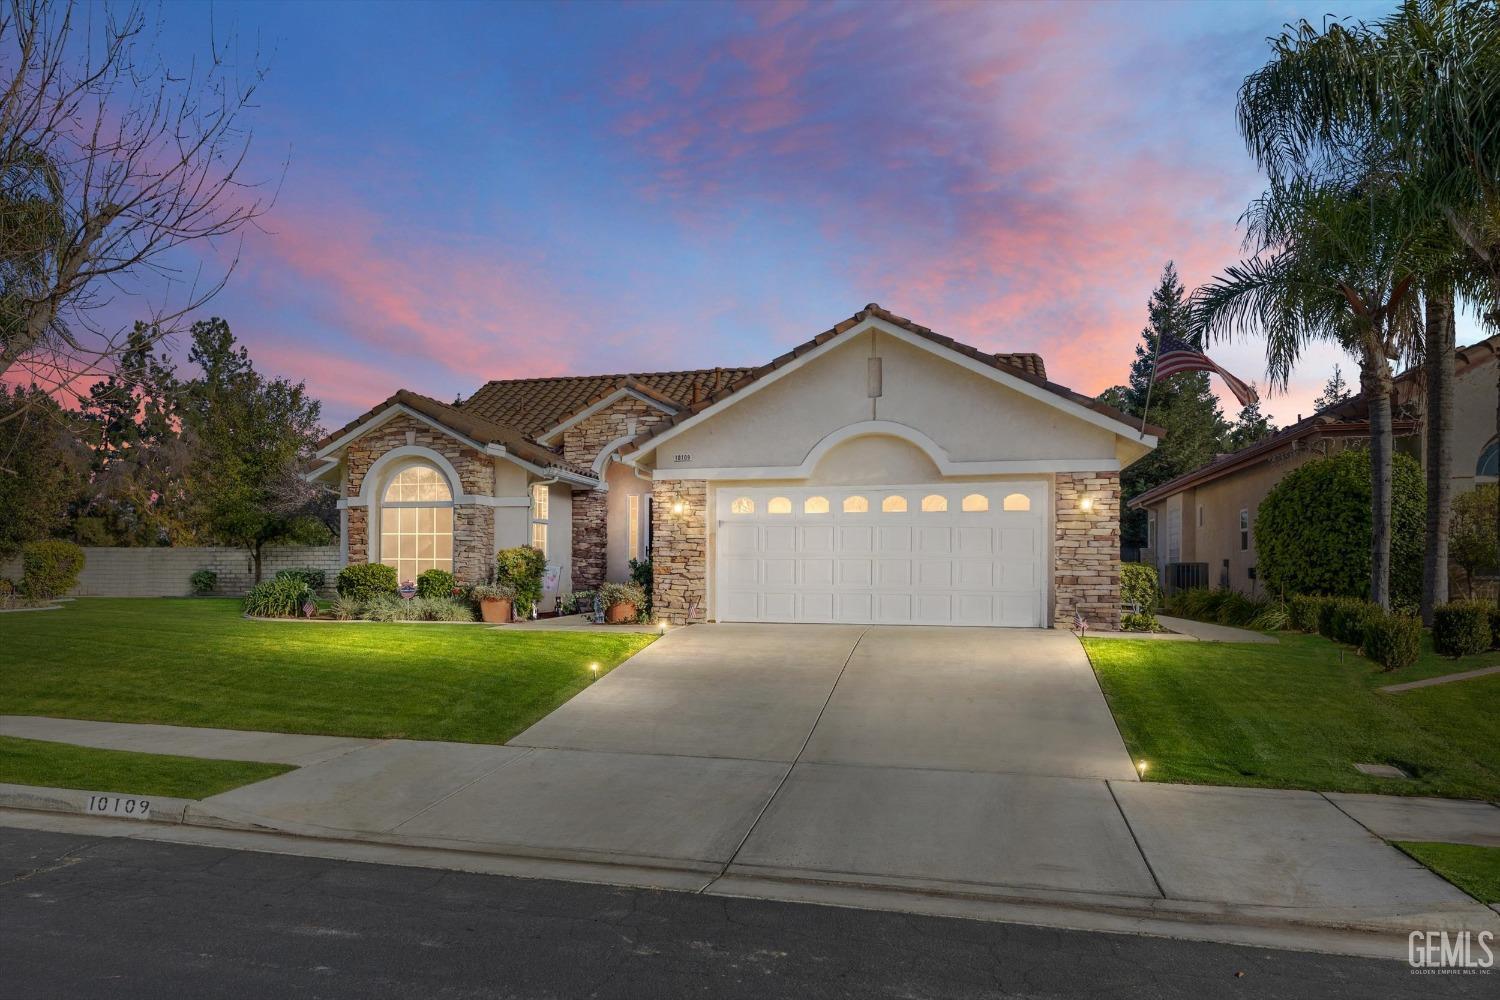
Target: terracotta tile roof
[
  {"x": 1028, "y": 367},
  {"x": 1350, "y": 416},
  {"x": 470, "y": 425},
  {"x": 536, "y": 405}
]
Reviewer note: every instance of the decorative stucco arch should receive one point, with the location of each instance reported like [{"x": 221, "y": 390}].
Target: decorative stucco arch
[
  {"x": 606, "y": 453},
  {"x": 876, "y": 428}
]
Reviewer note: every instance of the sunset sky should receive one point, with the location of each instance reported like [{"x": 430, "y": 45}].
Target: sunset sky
[{"x": 481, "y": 191}]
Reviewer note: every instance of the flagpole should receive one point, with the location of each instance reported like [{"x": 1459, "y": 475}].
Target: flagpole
[{"x": 1155, "y": 358}]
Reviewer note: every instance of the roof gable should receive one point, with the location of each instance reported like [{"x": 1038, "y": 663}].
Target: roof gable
[
  {"x": 1000, "y": 367},
  {"x": 537, "y": 406}
]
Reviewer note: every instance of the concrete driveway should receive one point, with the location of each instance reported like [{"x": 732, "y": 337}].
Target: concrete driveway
[
  {"x": 1005, "y": 701},
  {"x": 979, "y": 761}
]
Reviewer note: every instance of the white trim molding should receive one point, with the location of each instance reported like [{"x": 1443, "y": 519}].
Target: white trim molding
[
  {"x": 551, "y": 435},
  {"x": 605, "y": 454},
  {"x": 890, "y": 428},
  {"x": 1004, "y": 378}
]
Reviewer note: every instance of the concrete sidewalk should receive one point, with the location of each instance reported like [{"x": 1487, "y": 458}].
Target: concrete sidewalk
[
  {"x": 1210, "y": 632},
  {"x": 1225, "y": 863}
]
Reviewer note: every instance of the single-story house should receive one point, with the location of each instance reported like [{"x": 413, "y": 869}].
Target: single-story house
[
  {"x": 879, "y": 473},
  {"x": 1200, "y": 527}
]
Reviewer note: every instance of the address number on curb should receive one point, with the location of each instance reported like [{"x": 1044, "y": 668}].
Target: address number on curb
[{"x": 119, "y": 805}]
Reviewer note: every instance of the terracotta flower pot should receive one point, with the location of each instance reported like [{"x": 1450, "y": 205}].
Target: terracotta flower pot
[
  {"x": 620, "y": 613},
  {"x": 495, "y": 610}
]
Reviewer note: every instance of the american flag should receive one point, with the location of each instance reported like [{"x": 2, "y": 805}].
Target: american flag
[{"x": 1176, "y": 355}]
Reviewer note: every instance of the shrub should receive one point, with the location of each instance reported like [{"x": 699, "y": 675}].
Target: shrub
[
  {"x": 1145, "y": 621},
  {"x": 1471, "y": 537},
  {"x": 345, "y": 608},
  {"x": 521, "y": 568},
  {"x": 388, "y": 608},
  {"x": 365, "y": 581},
  {"x": 1461, "y": 628},
  {"x": 436, "y": 583},
  {"x": 1273, "y": 617},
  {"x": 203, "y": 581},
  {"x": 314, "y": 578},
  {"x": 7, "y": 587},
  {"x": 611, "y": 594},
  {"x": 1329, "y": 553},
  {"x": 491, "y": 592},
  {"x": 1238, "y": 610},
  {"x": 642, "y": 576},
  {"x": 1139, "y": 587},
  {"x": 1393, "y": 641},
  {"x": 50, "y": 568},
  {"x": 282, "y": 597},
  {"x": 1348, "y": 618},
  {"x": 578, "y": 602},
  {"x": 1495, "y": 627},
  {"x": 1303, "y": 610}
]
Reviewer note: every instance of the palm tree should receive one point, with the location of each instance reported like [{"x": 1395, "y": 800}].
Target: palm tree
[
  {"x": 1333, "y": 262},
  {"x": 1425, "y": 80}
]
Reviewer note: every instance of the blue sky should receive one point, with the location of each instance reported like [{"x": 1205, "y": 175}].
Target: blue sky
[{"x": 478, "y": 191}]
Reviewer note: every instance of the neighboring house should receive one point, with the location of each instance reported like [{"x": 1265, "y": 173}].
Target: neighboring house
[
  {"x": 1200, "y": 527},
  {"x": 879, "y": 473}
]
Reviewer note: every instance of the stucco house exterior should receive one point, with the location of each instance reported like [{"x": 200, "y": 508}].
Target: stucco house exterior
[
  {"x": 878, "y": 473},
  {"x": 1206, "y": 518}
]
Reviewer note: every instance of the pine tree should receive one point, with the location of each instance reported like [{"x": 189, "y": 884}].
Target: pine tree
[
  {"x": 1249, "y": 427},
  {"x": 1335, "y": 391},
  {"x": 1183, "y": 406}
]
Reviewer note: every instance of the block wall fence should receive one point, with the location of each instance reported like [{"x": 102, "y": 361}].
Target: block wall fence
[{"x": 164, "y": 572}]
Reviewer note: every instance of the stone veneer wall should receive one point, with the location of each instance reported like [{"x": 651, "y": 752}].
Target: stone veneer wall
[
  {"x": 679, "y": 550},
  {"x": 1086, "y": 549},
  {"x": 582, "y": 444},
  {"x": 473, "y": 524}
]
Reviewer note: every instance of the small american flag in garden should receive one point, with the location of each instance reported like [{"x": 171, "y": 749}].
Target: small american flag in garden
[
  {"x": 1080, "y": 624},
  {"x": 1177, "y": 355}
]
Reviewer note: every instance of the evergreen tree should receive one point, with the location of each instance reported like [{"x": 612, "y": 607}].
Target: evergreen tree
[
  {"x": 1249, "y": 427},
  {"x": 138, "y": 459},
  {"x": 1182, "y": 405},
  {"x": 1335, "y": 391},
  {"x": 42, "y": 467},
  {"x": 251, "y": 437}
]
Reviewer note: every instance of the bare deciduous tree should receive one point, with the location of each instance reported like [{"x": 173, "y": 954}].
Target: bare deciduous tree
[{"x": 114, "y": 168}]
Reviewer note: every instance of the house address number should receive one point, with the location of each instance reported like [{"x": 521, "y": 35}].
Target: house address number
[
  {"x": 119, "y": 805},
  {"x": 681, "y": 457}
]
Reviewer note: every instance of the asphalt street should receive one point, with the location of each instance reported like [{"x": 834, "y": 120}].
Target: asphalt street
[{"x": 107, "y": 917}]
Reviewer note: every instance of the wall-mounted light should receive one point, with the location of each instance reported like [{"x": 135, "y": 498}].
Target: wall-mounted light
[
  {"x": 1086, "y": 504},
  {"x": 678, "y": 507}
]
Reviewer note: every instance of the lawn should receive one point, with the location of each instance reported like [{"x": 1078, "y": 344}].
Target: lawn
[
  {"x": 197, "y": 662},
  {"x": 1300, "y": 714},
  {"x": 62, "y": 765},
  {"x": 1475, "y": 870}
]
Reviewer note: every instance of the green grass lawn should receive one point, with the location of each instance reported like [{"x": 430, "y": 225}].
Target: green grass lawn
[
  {"x": 1300, "y": 715},
  {"x": 62, "y": 765},
  {"x": 1475, "y": 870},
  {"x": 197, "y": 662}
]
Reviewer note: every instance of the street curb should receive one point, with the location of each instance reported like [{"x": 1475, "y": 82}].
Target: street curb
[{"x": 1331, "y": 931}]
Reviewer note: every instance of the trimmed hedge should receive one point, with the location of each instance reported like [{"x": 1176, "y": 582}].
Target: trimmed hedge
[
  {"x": 1312, "y": 531},
  {"x": 1139, "y": 586},
  {"x": 1349, "y": 618},
  {"x": 1303, "y": 611},
  {"x": 1461, "y": 628},
  {"x": 203, "y": 581},
  {"x": 364, "y": 581},
  {"x": 436, "y": 583},
  {"x": 1495, "y": 627},
  {"x": 50, "y": 568},
  {"x": 1393, "y": 641}
]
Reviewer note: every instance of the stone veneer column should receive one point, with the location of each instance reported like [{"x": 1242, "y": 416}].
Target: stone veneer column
[
  {"x": 590, "y": 539},
  {"x": 1086, "y": 549},
  {"x": 679, "y": 550}
]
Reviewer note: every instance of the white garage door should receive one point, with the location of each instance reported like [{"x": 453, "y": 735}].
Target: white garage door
[{"x": 969, "y": 554}]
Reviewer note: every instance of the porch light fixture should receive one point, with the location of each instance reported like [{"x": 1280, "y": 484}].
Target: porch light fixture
[
  {"x": 678, "y": 507},
  {"x": 1086, "y": 504}
]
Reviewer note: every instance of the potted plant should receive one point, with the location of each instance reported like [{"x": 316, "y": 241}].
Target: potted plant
[
  {"x": 494, "y": 600},
  {"x": 622, "y": 602}
]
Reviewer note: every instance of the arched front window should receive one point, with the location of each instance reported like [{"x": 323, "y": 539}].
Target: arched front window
[
  {"x": 1488, "y": 466},
  {"x": 416, "y": 522}
]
